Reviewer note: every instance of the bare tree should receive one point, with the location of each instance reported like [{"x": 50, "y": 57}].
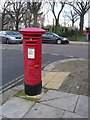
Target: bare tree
[
  {"x": 27, "y": 18},
  {"x": 41, "y": 20},
  {"x": 35, "y": 8},
  {"x": 5, "y": 15},
  {"x": 57, "y": 17},
  {"x": 16, "y": 11},
  {"x": 73, "y": 16},
  {"x": 80, "y": 7}
]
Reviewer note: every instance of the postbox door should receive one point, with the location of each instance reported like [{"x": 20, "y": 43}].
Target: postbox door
[{"x": 32, "y": 62}]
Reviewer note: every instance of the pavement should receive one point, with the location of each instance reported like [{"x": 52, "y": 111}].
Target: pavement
[
  {"x": 79, "y": 43},
  {"x": 60, "y": 98}
]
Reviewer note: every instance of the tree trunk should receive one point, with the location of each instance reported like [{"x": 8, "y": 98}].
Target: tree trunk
[
  {"x": 25, "y": 23},
  {"x": 56, "y": 25},
  {"x": 81, "y": 23},
  {"x": 35, "y": 19},
  {"x": 2, "y": 26},
  {"x": 17, "y": 23},
  {"x": 29, "y": 24},
  {"x": 72, "y": 23}
]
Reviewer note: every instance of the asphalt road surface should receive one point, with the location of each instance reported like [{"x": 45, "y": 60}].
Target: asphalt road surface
[{"x": 12, "y": 60}]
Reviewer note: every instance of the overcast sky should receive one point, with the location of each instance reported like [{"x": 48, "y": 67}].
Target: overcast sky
[{"x": 49, "y": 17}]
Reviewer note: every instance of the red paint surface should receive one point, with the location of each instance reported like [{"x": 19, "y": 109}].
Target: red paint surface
[{"x": 32, "y": 67}]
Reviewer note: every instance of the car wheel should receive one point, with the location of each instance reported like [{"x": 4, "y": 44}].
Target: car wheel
[
  {"x": 7, "y": 41},
  {"x": 58, "y": 41}
]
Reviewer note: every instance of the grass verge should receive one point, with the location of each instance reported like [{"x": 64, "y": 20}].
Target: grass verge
[
  {"x": 22, "y": 94},
  {"x": 76, "y": 37}
]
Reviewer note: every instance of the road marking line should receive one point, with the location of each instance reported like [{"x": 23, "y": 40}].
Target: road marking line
[
  {"x": 70, "y": 56},
  {"x": 54, "y": 54},
  {"x": 11, "y": 82},
  {"x": 11, "y": 85}
]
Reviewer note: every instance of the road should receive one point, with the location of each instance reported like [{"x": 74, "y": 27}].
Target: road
[
  {"x": 79, "y": 51},
  {"x": 12, "y": 59}
]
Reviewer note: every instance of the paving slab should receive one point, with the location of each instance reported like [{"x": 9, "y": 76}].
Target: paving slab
[
  {"x": 16, "y": 107},
  {"x": 49, "y": 76},
  {"x": 72, "y": 115},
  {"x": 53, "y": 94},
  {"x": 7, "y": 95},
  {"x": 0, "y": 110},
  {"x": 82, "y": 106},
  {"x": 0, "y": 99},
  {"x": 1, "y": 117},
  {"x": 44, "y": 111},
  {"x": 60, "y": 100},
  {"x": 53, "y": 85},
  {"x": 54, "y": 79}
]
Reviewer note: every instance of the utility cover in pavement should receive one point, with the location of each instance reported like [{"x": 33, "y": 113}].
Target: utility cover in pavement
[{"x": 54, "y": 79}]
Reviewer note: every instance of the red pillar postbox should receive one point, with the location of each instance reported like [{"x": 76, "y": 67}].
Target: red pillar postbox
[{"x": 32, "y": 47}]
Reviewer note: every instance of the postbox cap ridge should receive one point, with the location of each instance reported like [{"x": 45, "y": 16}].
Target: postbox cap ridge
[{"x": 32, "y": 29}]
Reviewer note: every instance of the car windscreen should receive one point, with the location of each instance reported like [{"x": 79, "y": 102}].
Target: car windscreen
[
  {"x": 56, "y": 35},
  {"x": 12, "y": 33}
]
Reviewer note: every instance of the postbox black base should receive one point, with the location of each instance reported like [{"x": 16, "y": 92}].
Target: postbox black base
[{"x": 33, "y": 90}]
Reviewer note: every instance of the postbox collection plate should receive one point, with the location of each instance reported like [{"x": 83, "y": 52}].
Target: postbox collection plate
[{"x": 31, "y": 53}]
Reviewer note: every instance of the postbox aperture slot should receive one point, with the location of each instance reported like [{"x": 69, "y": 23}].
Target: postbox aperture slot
[
  {"x": 33, "y": 38},
  {"x": 31, "y": 41}
]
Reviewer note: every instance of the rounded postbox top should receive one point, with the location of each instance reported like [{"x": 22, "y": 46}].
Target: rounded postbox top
[{"x": 32, "y": 31}]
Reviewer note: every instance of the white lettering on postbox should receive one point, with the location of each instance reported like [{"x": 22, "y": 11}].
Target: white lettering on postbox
[{"x": 31, "y": 53}]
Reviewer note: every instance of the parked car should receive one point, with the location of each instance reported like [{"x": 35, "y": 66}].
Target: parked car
[
  {"x": 53, "y": 38},
  {"x": 10, "y": 37}
]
